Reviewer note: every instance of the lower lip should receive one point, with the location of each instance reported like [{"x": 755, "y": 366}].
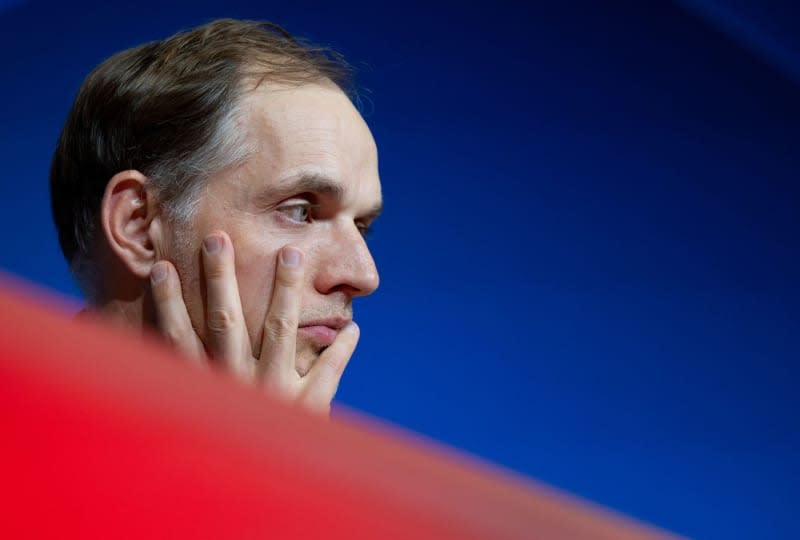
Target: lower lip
[{"x": 324, "y": 335}]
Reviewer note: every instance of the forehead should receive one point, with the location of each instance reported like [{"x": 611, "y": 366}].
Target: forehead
[{"x": 312, "y": 129}]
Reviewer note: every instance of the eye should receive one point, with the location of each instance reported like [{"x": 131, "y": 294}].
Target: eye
[
  {"x": 364, "y": 228},
  {"x": 297, "y": 211}
]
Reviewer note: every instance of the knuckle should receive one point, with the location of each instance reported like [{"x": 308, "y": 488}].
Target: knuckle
[
  {"x": 335, "y": 363},
  {"x": 174, "y": 336},
  {"x": 319, "y": 401},
  {"x": 276, "y": 385},
  {"x": 214, "y": 271},
  {"x": 220, "y": 320},
  {"x": 286, "y": 277},
  {"x": 279, "y": 327}
]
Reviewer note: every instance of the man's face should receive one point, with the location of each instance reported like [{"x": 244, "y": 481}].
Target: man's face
[{"x": 312, "y": 183}]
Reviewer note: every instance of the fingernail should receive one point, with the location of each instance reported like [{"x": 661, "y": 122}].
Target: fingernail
[
  {"x": 290, "y": 256},
  {"x": 158, "y": 273},
  {"x": 212, "y": 243}
]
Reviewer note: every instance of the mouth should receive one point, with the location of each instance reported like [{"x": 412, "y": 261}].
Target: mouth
[{"x": 323, "y": 331}]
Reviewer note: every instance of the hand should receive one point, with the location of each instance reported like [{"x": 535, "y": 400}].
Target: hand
[{"x": 228, "y": 341}]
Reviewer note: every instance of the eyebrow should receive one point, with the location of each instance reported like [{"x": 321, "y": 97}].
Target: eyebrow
[{"x": 307, "y": 182}]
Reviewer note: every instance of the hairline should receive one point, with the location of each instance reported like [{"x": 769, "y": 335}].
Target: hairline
[
  {"x": 182, "y": 208},
  {"x": 236, "y": 117}
]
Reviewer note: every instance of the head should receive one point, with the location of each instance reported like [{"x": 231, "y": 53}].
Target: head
[{"x": 233, "y": 126}]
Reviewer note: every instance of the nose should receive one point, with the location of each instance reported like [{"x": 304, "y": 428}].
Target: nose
[{"x": 347, "y": 264}]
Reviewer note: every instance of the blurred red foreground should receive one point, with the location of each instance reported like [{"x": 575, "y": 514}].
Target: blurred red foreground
[{"x": 105, "y": 436}]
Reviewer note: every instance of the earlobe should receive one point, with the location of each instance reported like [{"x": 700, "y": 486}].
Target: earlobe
[{"x": 129, "y": 219}]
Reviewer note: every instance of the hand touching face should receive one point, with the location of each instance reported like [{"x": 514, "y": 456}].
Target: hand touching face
[
  {"x": 310, "y": 186},
  {"x": 228, "y": 341}
]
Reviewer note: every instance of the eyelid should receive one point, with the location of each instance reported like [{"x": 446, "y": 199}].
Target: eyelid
[
  {"x": 295, "y": 203},
  {"x": 365, "y": 228},
  {"x": 298, "y": 200}
]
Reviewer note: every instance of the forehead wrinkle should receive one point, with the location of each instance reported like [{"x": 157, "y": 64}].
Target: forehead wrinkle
[{"x": 313, "y": 141}]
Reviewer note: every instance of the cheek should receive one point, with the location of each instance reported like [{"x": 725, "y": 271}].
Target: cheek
[
  {"x": 255, "y": 274},
  {"x": 313, "y": 251},
  {"x": 256, "y": 263},
  {"x": 186, "y": 259},
  {"x": 255, "y": 252}
]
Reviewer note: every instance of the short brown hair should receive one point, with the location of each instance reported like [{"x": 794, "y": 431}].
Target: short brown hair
[{"x": 165, "y": 108}]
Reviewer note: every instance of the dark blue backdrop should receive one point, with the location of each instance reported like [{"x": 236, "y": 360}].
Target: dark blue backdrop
[{"x": 589, "y": 255}]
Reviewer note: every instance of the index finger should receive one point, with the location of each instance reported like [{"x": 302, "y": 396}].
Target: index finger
[{"x": 279, "y": 344}]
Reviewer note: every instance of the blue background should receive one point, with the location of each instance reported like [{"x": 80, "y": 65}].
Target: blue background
[{"x": 589, "y": 255}]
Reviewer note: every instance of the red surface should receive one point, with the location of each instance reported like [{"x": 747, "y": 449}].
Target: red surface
[{"x": 108, "y": 436}]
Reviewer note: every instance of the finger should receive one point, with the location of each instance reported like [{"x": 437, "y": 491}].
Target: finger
[
  {"x": 278, "y": 346},
  {"x": 172, "y": 318},
  {"x": 322, "y": 381},
  {"x": 227, "y": 334}
]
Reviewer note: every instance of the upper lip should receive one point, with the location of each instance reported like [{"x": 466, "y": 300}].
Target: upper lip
[{"x": 337, "y": 323}]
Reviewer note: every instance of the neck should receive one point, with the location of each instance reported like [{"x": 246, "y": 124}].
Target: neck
[
  {"x": 123, "y": 312},
  {"x": 131, "y": 314},
  {"x": 121, "y": 298}
]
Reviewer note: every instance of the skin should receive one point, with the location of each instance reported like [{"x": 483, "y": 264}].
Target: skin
[{"x": 274, "y": 244}]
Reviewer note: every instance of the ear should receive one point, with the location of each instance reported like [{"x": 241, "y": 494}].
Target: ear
[{"x": 130, "y": 217}]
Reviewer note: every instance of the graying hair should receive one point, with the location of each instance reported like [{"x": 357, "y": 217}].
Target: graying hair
[{"x": 171, "y": 109}]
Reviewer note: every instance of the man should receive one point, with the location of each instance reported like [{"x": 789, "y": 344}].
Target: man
[{"x": 217, "y": 186}]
